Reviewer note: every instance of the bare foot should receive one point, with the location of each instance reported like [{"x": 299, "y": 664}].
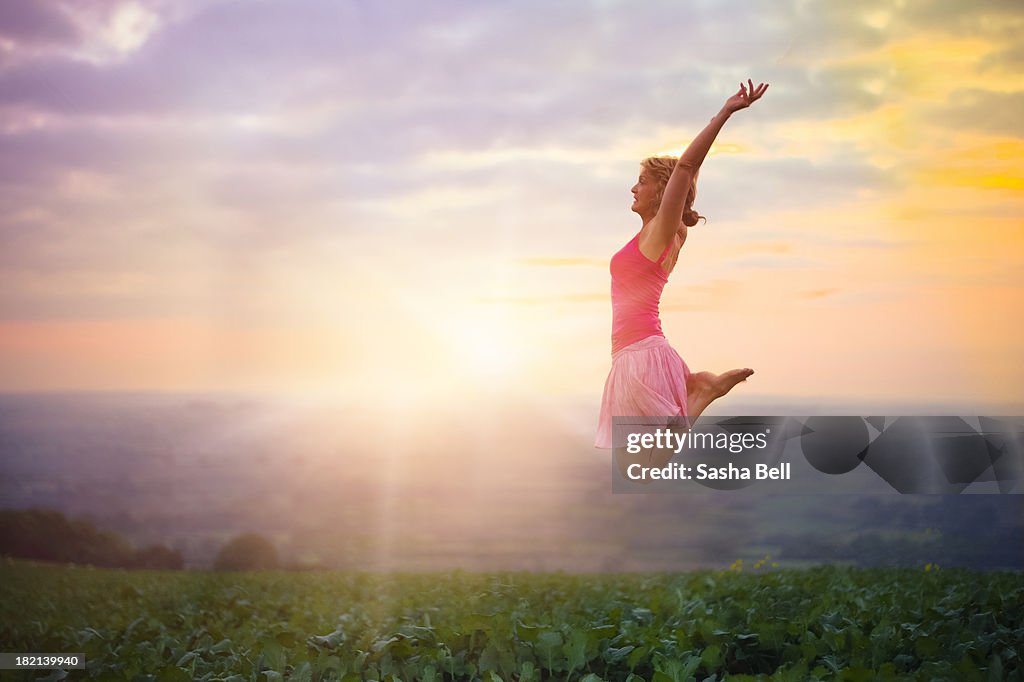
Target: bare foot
[
  {"x": 726, "y": 381},
  {"x": 701, "y": 382},
  {"x": 705, "y": 387}
]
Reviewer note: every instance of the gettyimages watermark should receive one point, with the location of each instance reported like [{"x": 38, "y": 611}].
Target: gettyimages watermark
[{"x": 945, "y": 455}]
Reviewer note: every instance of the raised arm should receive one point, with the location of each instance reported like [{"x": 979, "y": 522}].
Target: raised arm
[{"x": 673, "y": 200}]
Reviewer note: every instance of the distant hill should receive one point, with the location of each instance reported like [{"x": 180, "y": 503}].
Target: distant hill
[{"x": 520, "y": 488}]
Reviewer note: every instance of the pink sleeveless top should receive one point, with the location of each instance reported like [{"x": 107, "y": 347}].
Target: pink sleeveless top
[{"x": 637, "y": 283}]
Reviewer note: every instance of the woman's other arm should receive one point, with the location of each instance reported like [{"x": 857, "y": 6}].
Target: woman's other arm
[{"x": 673, "y": 200}]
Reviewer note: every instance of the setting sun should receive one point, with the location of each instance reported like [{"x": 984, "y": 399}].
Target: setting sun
[{"x": 485, "y": 346}]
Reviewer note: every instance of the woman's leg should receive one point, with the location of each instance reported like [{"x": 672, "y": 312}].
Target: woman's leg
[{"x": 704, "y": 387}]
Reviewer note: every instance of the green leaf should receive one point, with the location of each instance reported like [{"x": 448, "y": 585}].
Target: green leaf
[
  {"x": 832, "y": 662},
  {"x": 690, "y": 665},
  {"x": 995, "y": 669},
  {"x": 478, "y": 621},
  {"x": 186, "y": 658},
  {"x": 528, "y": 633},
  {"x": 54, "y": 676},
  {"x": 304, "y": 673},
  {"x": 286, "y": 639},
  {"x": 575, "y": 649},
  {"x": 712, "y": 656},
  {"x": 549, "y": 644},
  {"x": 857, "y": 674},
  {"x": 489, "y": 658},
  {"x": 273, "y": 652},
  {"x": 903, "y": 662},
  {"x": 638, "y": 654},
  {"x": 926, "y": 647},
  {"x": 613, "y": 656},
  {"x": 223, "y": 646},
  {"x": 170, "y": 673}
]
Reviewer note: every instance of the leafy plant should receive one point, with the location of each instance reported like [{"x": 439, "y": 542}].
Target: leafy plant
[{"x": 826, "y": 623}]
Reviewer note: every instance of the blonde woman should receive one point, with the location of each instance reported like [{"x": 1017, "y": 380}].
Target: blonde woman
[{"x": 648, "y": 377}]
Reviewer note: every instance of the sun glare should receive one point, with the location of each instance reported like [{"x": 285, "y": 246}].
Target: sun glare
[{"x": 486, "y": 347}]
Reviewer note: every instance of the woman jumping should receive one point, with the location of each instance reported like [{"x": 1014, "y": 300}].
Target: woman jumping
[{"x": 648, "y": 378}]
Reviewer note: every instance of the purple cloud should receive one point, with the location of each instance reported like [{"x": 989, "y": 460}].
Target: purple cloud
[{"x": 36, "y": 23}]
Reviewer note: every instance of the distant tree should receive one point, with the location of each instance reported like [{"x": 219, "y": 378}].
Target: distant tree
[
  {"x": 47, "y": 535},
  {"x": 159, "y": 557},
  {"x": 250, "y": 551}
]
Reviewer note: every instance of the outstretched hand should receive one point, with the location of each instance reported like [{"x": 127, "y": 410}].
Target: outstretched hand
[{"x": 744, "y": 97}]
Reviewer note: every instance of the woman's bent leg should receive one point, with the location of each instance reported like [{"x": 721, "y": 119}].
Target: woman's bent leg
[{"x": 705, "y": 387}]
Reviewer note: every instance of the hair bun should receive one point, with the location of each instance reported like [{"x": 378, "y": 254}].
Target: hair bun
[{"x": 690, "y": 217}]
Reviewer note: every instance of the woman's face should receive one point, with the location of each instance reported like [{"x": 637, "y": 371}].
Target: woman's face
[{"x": 645, "y": 193}]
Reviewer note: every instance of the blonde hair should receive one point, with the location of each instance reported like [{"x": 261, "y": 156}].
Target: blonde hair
[{"x": 660, "y": 169}]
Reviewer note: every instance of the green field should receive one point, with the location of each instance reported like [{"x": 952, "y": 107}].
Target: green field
[{"x": 829, "y": 623}]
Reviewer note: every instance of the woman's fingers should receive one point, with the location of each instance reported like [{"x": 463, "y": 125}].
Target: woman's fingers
[
  {"x": 748, "y": 93},
  {"x": 755, "y": 93}
]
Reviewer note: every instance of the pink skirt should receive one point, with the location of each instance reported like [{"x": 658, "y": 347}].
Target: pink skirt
[{"x": 647, "y": 379}]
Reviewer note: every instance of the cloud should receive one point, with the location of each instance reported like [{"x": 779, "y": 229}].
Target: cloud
[
  {"x": 243, "y": 126},
  {"x": 717, "y": 288},
  {"x": 985, "y": 163},
  {"x": 392, "y": 89},
  {"x": 96, "y": 294},
  {"x": 821, "y": 30},
  {"x": 686, "y": 307},
  {"x": 225, "y": 55},
  {"x": 545, "y": 300},
  {"x": 818, "y": 293},
  {"x": 810, "y": 91},
  {"x": 1009, "y": 59},
  {"x": 561, "y": 262},
  {"x": 36, "y": 23},
  {"x": 732, "y": 188},
  {"x": 763, "y": 247},
  {"x": 33, "y": 156},
  {"x": 448, "y": 76},
  {"x": 987, "y": 18},
  {"x": 982, "y": 110},
  {"x": 780, "y": 263}
]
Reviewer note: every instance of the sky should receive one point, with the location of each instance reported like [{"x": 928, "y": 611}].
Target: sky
[{"x": 408, "y": 204}]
